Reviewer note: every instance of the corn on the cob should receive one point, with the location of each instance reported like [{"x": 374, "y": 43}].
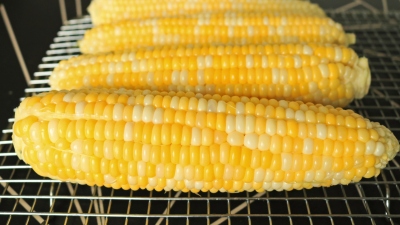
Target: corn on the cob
[
  {"x": 318, "y": 73},
  {"x": 105, "y": 11},
  {"x": 232, "y": 28},
  {"x": 190, "y": 142}
]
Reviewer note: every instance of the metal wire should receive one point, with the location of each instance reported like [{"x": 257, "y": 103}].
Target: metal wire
[{"x": 26, "y": 198}]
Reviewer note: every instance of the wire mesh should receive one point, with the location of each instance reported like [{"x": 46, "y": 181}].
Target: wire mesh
[{"x": 26, "y": 198}]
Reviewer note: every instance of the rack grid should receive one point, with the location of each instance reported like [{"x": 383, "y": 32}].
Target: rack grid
[{"x": 26, "y": 198}]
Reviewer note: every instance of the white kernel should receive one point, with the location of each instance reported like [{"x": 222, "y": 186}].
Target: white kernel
[
  {"x": 118, "y": 111},
  {"x": 300, "y": 116},
  {"x": 231, "y": 31},
  {"x": 184, "y": 80},
  {"x": 297, "y": 61},
  {"x": 250, "y": 31},
  {"x": 370, "y": 147},
  {"x": 77, "y": 146},
  {"x": 175, "y": 77},
  {"x": 158, "y": 117},
  {"x": 110, "y": 80},
  {"x": 128, "y": 131},
  {"x": 174, "y": 102},
  {"x": 321, "y": 131},
  {"x": 170, "y": 184},
  {"x": 148, "y": 113},
  {"x": 160, "y": 170},
  {"x": 53, "y": 130},
  {"x": 198, "y": 185},
  {"x": 287, "y": 160},
  {"x": 152, "y": 182},
  {"x": 221, "y": 107},
  {"x": 309, "y": 176},
  {"x": 265, "y": 21},
  {"x": 86, "y": 80},
  {"x": 259, "y": 174},
  {"x": 270, "y": 128},
  {"x": 108, "y": 179},
  {"x": 228, "y": 172},
  {"x": 135, "y": 67},
  {"x": 79, "y": 108},
  {"x": 188, "y": 172},
  {"x": 240, "y": 124},
  {"x": 312, "y": 87},
  {"x": 269, "y": 175},
  {"x": 289, "y": 113},
  {"x": 212, "y": 105},
  {"x": 179, "y": 172},
  {"x": 338, "y": 54},
  {"x": 379, "y": 149},
  {"x": 119, "y": 67},
  {"x": 200, "y": 62},
  {"x": 202, "y": 105},
  {"x": 240, "y": 108},
  {"x": 264, "y": 61},
  {"x": 281, "y": 127},
  {"x": 249, "y": 61},
  {"x": 209, "y": 61},
  {"x": 196, "y": 136},
  {"x": 75, "y": 160},
  {"x": 148, "y": 99},
  {"x": 137, "y": 113},
  {"x": 230, "y": 123},
  {"x": 271, "y": 30},
  {"x": 251, "y": 141},
  {"x": 264, "y": 141},
  {"x": 141, "y": 168},
  {"x": 327, "y": 162},
  {"x": 132, "y": 180},
  {"x": 111, "y": 67},
  {"x": 150, "y": 78},
  {"x": 308, "y": 146},
  {"x": 275, "y": 75},
  {"x": 324, "y": 70},
  {"x": 250, "y": 124},
  {"x": 235, "y": 138},
  {"x": 280, "y": 30},
  {"x": 283, "y": 103},
  {"x": 131, "y": 100},
  {"x": 307, "y": 50}
]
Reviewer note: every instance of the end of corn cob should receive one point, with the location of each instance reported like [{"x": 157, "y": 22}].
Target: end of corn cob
[
  {"x": 350, "y": 38},
  {"x": 362, "y": 81}
]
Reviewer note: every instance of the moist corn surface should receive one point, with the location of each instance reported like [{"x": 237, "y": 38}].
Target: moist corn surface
[
  {"x": 194, "y": 142},
  {"x": 319, "y": 73},
  {"x": 221, "y": 28}
]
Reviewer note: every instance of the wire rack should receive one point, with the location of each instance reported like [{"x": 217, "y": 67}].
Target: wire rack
[{"x": 26, "y": 198}]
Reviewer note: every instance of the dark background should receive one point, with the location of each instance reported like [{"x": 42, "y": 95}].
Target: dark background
[{"x": 35, "y": 24}]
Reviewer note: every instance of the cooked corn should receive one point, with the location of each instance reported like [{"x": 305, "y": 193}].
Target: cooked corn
[
  {"x": 317, "y": 73},
  {"x": 193, "y": 142},
  {"x": 222, "y": 28},
  {"x": 105, "y": 11}
]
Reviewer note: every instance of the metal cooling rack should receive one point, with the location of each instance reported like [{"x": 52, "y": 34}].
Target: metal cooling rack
[{"x": 26, "y": 198}]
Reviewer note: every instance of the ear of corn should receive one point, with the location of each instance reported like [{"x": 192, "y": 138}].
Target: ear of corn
[
  {"x": 193, "y": 142},
  {"x": 105, "y": 11},
  {"x": 222, "y": 28},
  {"x": 308, "y": 72}
]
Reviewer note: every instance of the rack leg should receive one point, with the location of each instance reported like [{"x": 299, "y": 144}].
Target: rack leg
[
  {"x": 63, "y": 11},
  {"x": 14, "y": 42}
]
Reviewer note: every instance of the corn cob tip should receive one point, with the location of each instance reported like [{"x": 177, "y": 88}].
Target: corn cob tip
[
  {"x": 362, "y": 80},
  {"x": 351, "y": 39}
]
